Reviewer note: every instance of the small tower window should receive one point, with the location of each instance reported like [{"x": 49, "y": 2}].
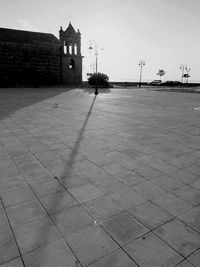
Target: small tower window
[
  {"x": 65, "y": 49},
  {"x": 71, "y": 64},
  {"x": 70, "y": 49},
  {"x": 75, "y": 48}
]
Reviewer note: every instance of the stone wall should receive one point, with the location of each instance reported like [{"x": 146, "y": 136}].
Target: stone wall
[
  {"x": 36, "y": 59},
  {"x": 29, "y": 64}
]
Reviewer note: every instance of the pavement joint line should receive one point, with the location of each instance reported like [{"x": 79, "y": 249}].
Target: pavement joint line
[
  {"x": 39, "y": 109},
  {"x": 48, "y": 215},
  {"x": 174, "y": 248},
  {"x": 20, "y": 254},
  {"x": 80, "y": 203},
  {"x": 95, "y": 222},
  {"x": 120, "y": 245}
]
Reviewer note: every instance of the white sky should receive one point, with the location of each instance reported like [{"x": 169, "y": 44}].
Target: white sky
[{"x": 164, "y": 33}]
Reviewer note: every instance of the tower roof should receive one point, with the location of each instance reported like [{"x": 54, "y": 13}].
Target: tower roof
[{"x": 70, "y": 29}]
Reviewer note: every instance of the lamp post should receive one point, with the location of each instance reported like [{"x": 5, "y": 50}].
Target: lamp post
[
  {"x": 141, "y": 64},
  {"x": 94, "y": 46},
  {"x": 187, "y": 74},
  {"x": 182, "y": 68}
]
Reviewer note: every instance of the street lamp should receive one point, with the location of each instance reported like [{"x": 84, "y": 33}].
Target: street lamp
[
  {"x": 182, "y": 68},
  {"x": 187, "y": 74},
  {"x": 94, "y": 46},
  {"x": 141, "y": 64}
]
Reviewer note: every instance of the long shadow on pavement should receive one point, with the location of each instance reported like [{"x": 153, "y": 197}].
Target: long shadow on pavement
[
  {"x": 13, "y": 99},
  {"x": 100, "y": 90},
  {"x": 57, "y": 197}
]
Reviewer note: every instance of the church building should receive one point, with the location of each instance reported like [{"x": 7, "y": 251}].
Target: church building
[{"x": 40, "y": 59}]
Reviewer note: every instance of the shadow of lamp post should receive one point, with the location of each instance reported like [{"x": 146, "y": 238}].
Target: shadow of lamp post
[{"x": 141, "y": 64}]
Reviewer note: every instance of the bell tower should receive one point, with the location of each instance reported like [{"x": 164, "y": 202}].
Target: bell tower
[{"x": 71, "y": 59}]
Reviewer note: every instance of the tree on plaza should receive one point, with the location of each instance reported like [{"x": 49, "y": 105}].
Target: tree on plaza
[{"x": 100, "y": 79}]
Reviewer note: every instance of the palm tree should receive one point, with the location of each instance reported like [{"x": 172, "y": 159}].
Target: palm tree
[{"x": 161, "y": 73}]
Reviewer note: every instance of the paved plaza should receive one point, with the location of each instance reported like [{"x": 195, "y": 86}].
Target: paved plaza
[{"x": 105, "y": 181}]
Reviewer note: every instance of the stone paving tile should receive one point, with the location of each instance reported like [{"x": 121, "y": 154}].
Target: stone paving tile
[
  {"x": 8, "y": 248},
  {"x": 131, "y": 178},
  {"x": 100, "y": 159},
  {"x": 172, "y": 204},
  {"x": 23, "y": 159},
  {"x": 149, "y": 189},
  {"x": 133, "y": 153},
  {"x": 183, "y": 176},
  {"x": 188, "y": 193},
  {"x": 119, "y": 156},
  {"x": 35, "y": 234},
  {"x": 37, "y": 177},
  {"x": 110, "y": 184},
  {"x": 130, "y": 165},
  {"x": 54, "y": 254},
  {"x": 150, "y": 214},
  {"x": 91, "y": 244},
  {"x": 124, "y": 228},
  {"x": 86, "y": 192},
  {"x": 74, "y": 180},
  {"x": 195, "y": 258},
  {"x": 163, "y": 167},
  {"x": 196, "y": 184},
  {"x": 193, "y": 169},
  {"x": 72, "y": 220},
  {"x": 47, "y": 188},
  {"x": 91, "y": 171},
  {"x": 12, "y": 183},
  {"x": 102, "y": 208},
  {"x": 127, "y": 198},
  {"x": 13, "y": 263},
  {"x": 116, "y": 259},
  {"x": 29, "y": 166},
  {"x": 180, "y": 236},
  {"x": 114, "y": 168},
  {"x": 192, "y": 218},
  {"x": 151, "y": 251},
  {"x": 18, "y": 196},
  {"x": 148, "y": 172},
  {"x": 181, "y": 161},
  {"x": 185, "y": 263},
  {"x": 5, "y": 164},
  {"x": 25, "y": 212},
  {"x": 154, "y": 157},
  {"x": 168, "y": 183},
  {"x": 57, "y": 170},
  {"x": 9, "y": 171},
  {"x": 3, "y": 220},
  {"x": 40, "y": 180},
  {"x": 57, "y": 202},
  {"x": 47, "y": 156}
]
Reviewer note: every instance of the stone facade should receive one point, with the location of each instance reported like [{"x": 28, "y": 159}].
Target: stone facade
[{"x": 34, "y": 59}]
